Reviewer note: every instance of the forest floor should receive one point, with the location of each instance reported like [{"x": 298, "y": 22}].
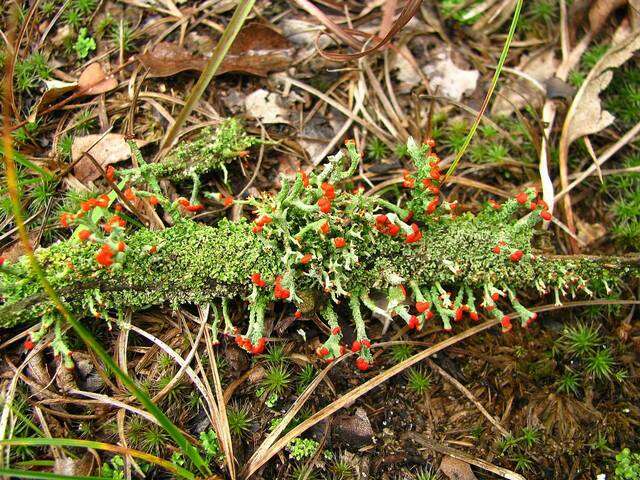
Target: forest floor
[{"x": 558, "y": 400}]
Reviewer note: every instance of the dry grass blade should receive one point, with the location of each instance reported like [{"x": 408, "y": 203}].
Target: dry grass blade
[
  {"x": 224, "y": 432},
  {"x": 354, "y": 394},
  {"x": 492, "y": 87},
  {"x": 465, "y": 457}
]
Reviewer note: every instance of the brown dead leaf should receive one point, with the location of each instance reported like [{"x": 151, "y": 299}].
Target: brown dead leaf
[
  {"x": 94, "y": 81},
  {"x": 166, "y": 59},
  {"x": 456, "y": 469},
  {"x": 55, "y": 89},
  {"x": 15, "y": 251},
  {"x": 111, "y": 149},
  {"x": 257, "y": 50},
  {"x": 601, "y": 10},
  {"x": 586, "y": 115}
]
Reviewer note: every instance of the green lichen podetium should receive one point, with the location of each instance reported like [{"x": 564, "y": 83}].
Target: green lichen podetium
[
  {"x": 314, "y": 246},
  {"x": 210, "y": 150}
]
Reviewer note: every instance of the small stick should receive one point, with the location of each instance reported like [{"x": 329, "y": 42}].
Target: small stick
[{"x": 469, "y": 395}]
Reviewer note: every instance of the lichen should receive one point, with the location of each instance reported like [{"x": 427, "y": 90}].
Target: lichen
[{"x": 311, "y": 241}]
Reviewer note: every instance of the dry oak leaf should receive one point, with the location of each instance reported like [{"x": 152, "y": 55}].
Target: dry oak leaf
[
  {"x": 586, "y": 115},
  {"x": 111, "y": 149},
  {"x": 257, "y": 50}
]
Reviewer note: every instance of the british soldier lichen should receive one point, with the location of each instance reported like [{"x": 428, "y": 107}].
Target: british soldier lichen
[{"x": 310, "y": 240}]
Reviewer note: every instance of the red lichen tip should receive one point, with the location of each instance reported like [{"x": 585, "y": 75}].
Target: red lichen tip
[
  {"x": 324, "y": 204},
  {"x": 84, "y": 235},
  {"x": 522, "y": 198},
  {"x": 506, "y": 324},
  {"x": 413, "y": 322},
  {"x": 356, "y": 346},
  {"x": 257, "y": 280},
  {"x": 362, "y": 364},
  {"x": 422, "y": 306},
  {"x": 336, "y": 331},
  {"x": 546, "y": 215},
  {"x": 516, "y": 256},
  {"x": 322, "y": 352},
  {"x": 339, "y": 242},
  {"x": 28, "y": 344}
]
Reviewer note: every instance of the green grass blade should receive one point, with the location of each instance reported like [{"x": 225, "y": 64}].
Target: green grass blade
[
  {"x": 11, "y": 473},
  {"x": 72, "y": 442},
  {"x": 487, "y": 98},
  {"x": 220, "y": 51}
]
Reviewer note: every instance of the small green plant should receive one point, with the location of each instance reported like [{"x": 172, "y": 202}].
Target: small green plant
[
  {"x": 302, "y": 472},
  {"x": 506, "y": 443},
  {"x": 84, "y": 44},
  {"x": 523, "y": 463},
  {"x": 85, "y": 122},
  {"x": 122, "y": 35},
  {"x": 239, "y": 418},
  {"x": 114, "y": 470},
  {"x": 530, "y": 436},
  {"x": 301, "y": 448},
  {"x": 581, "y": 339},
  {"x": 568, "y": 383},
  {"x": 154, "y": 439},
  {"x": 275, "y": 354},
  {"x": 64, "y": 147},
  {"x": 401, "y": 151},
  {"x": 427, "y": 473},
  {"x": 47, "y": 8},
  {"x": 418, "y": 382},
  {"x": 341, "y": 470},
  {"x": 600, "y": 364},
  {"x": 627, "y": 465},
  {"x": 542, "y": 11},
  {"x": 305, "y": 377},
  {"x": 30, "y": 72},
  {"x": 401, "y": 352},
  {"x": 211, "y": 446},
  {"x": 276, "y": 379},
  {"x": 84, "y": 7},
  {"x": 377, "y": 149}
]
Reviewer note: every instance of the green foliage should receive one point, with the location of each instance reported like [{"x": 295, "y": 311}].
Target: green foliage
[
  {"x": 85, "y": 121},
  {"x": 418, "y": 382},
  {"x": 627, "y": 465},
  {"x": 625, "y": 188},
  {"x": 302, "y": 472},
  {"x": 305, "y": 377},
  {"x": 276, "y": 379},
  {"x": 377, "y": 149},
  {"x": 581, "y": 339},
  {"x": 275, "y": 354},
  {"x": 30, "y": 72},
  {"x": 401, "y": 352},
  {"x": 114, "y": 469},
  {"x": 84, "y": 44},
  {"x": 211, "y": 446},
  {"x": 428, "y": 473},
  {"x": 239, "y": 418},
  {"x": 523, "y": 463},
  {"x": 64, "y": 147},
  {"x": 569, "y": 383},
  {"x": 530, "y": 436},
  {"x": 340, "y": 469},
  {"x": 122, "y": 35},
  {"x": 301, "y": 448},
  {"x": 600, "y": 364}
]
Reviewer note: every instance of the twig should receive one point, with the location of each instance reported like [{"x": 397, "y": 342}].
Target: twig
[
  {"x": 465, "y": 391},
  {"x": 465, "y": 457}
]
